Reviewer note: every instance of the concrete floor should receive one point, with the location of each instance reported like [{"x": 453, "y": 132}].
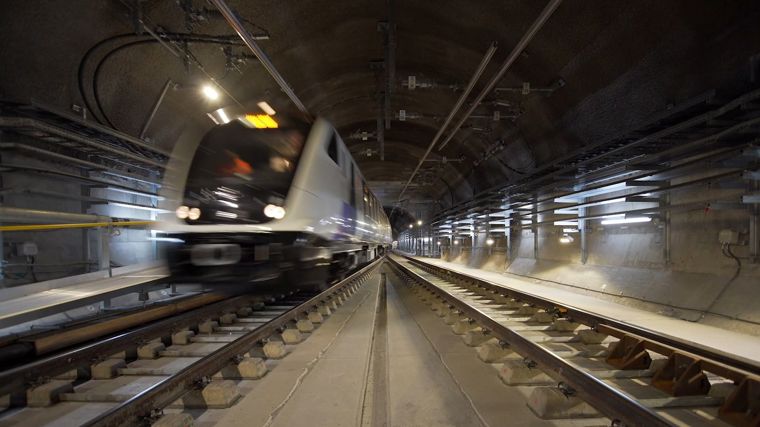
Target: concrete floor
[
  {"x": 383, "y": 359},
  {"x": 731, "y": 343}
]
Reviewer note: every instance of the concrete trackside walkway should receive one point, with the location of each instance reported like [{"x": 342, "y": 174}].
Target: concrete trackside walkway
[
  {"x": 382, "y": 359},
  {"x": 321, "y": 382}
]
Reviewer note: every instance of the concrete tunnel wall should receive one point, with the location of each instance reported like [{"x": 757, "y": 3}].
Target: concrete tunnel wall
[{"x": 626, "y": 264}]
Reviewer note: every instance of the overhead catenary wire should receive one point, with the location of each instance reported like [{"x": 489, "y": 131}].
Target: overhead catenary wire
[
  {"x": 518, "y": 49},
  {"x": 470, "y": 85},
  {"x": 237, "y": 25},
  {"x": 131, "y": 39}
]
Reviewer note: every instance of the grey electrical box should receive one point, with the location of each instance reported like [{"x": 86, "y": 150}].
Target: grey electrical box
[
  {"x": 26, "y": 249},
  {"x": 728, "y": 237}
]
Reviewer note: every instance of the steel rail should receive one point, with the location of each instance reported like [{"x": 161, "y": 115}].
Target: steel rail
[
  {"x": 18, "y": 378},
  {"x": 727, "y": 365},
  {"x": 605, "y": 398},
  {"x": 162, "y": 394},
  {"x": 235, "y": 23}
]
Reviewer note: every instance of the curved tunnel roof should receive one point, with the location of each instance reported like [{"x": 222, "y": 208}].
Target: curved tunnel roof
[{"x": 596, "y": 69}]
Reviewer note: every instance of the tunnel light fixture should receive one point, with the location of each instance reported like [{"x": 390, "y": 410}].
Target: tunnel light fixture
[
  {"x": 632, "y": 220},
  {"x": 210, "y": 92},
  {"x": 439, "y": 243},
  {"x": 411, "y": 225},
  {"x": 166, "y": 239},
  {"x": 219, "y": 117},
  {"x": 136, "y": 193},
  {"x": 419, "y": 222},
  {"x": 489, "y": 242},
  {"x": 138, "y": 207},
  {"x": 566, "y": 239},
  {"x": 456, "y": 242},
  {"x": 569, "y": 230},
  {"x": 265, "y": 107}
]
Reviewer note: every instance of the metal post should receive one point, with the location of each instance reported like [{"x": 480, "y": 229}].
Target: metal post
[
  {"x": 104, "y": 257},
  {"x": 582, "y": 230},
  {"x": 754, "y": 222},
  {"x": 488, "y": 231},
  {"x": 508, "y": 235},
  {"x": 155, "y": 108},
  {"x": 534, "y": 226},
  {"x": 2, "y": 250},
  {"x": 666, "y": 230}
]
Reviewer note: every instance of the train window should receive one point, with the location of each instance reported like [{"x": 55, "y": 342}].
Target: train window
[
  {"x": 237, "y": 171},
  {"x": 366, "y": 198},
  {"x": 353, "y": 186},
  {"x": 346, "y": 162},
  {"x": 332, "y": 149}
]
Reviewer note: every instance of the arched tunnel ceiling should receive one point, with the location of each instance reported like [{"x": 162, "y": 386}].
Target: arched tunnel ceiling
[{"x": 619, "y": 62}]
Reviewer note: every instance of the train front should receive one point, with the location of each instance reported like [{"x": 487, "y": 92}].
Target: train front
[{"x": 229, "y": 225}]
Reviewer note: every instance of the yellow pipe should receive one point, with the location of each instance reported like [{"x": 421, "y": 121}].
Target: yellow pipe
[
  {"x": 44, "y": 227},
  {"x": 58, "y": 340}
]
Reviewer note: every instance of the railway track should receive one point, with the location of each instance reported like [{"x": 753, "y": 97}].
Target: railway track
[
  {"x": 188, "y": 360},
  {"x": 581, "y": 365}
]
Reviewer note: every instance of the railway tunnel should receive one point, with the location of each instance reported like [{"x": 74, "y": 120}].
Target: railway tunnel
[{"x": 401, "y": 213}]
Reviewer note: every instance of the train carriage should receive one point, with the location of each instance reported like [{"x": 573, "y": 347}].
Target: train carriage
[{"x": 266, "y": 201}]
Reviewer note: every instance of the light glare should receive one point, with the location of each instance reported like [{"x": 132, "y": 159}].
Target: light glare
[
  {"x": 182, "y": 212},
  {"x": 210, "y": 92},
  {"x": 194, "y": 213},
  {"x": 274, "y": 211}
]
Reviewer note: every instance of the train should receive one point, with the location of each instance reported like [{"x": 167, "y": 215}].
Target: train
[{"x": 273, "y": 201}]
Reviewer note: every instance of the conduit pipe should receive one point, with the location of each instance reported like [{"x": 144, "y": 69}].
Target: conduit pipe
[
  {"x": 235, "y": 23},
  {"x": 59, "y": 340},
  {"x": 46, "y": 217},
  {"x": 473, "y": 80},
  {"x": 521, "y": 45}
]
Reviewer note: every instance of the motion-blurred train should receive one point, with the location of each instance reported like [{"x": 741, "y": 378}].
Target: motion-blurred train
[{"x": 268, "y": 202}]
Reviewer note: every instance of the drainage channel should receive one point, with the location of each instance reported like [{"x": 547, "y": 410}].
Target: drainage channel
[
  {"x": 191, "y": 366},
  {"x": 578, "y": 371}
]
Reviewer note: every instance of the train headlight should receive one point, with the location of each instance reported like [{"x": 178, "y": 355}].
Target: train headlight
[
  {"x": 194, "y": 213},
  {"x": 182, "y": 212},
  {"x": 274, "y": 211}
]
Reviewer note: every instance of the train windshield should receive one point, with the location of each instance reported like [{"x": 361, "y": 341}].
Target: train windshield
[{"x": 238, "y": 171}]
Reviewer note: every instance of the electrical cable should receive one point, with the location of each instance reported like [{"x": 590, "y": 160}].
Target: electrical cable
[
  {"x": 144, "y": 37},
  {"x": 112, "y": 52},
  {"x": 728, "y": 253},
  {"x": 31, "y": 261}
]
